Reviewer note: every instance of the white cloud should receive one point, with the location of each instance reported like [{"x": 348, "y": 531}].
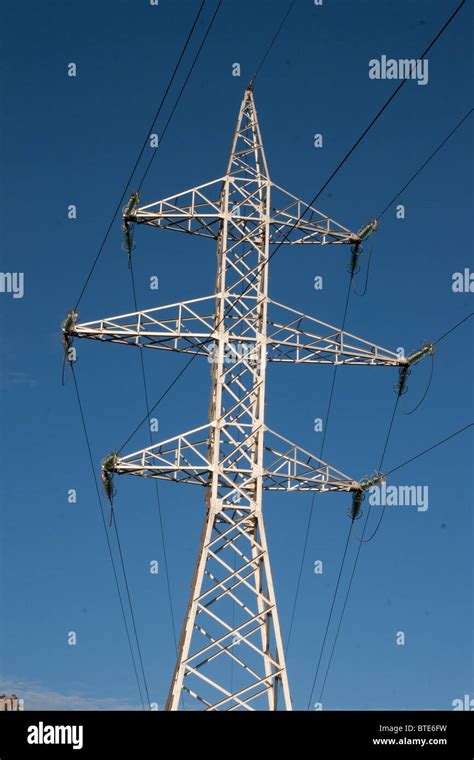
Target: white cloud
[{"x": 36, "y": 696}]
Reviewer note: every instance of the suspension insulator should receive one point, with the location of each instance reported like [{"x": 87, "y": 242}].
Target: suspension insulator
[
  {"x": 356, "y": 250},
  {"x": 357, "y": 499},
  {"x": 107, "y": 475},
  {"x": 403, "y": 373},
  {"x": 67, "y": 328},
  {"x": 127, "y": 244}
]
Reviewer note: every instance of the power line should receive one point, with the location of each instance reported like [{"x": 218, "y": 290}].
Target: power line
[
  {"x": 327, "y": 182},
  {"x": 148, "y": 412},
  {"x": 163, "y": 395},
  {"x": 342, "y": 616},
  {"x": 348, "y": 295},
  {"x": 145, "y": 391},
  {"x": 331, "y": 611},
  {"x": 361, "y": 295},
  {"x": 157, "y": 492},
  {"x": 311, "y": 511},
  {"x": 211, "y": 23},
  {"x": 267, "y": 53},
  {"x": 148, "y": 167},
  {"x": 308, "y": 205},
  {"x": 448, "y": 332},
  {"x": 86, "y": 435},
  {"x": 181, "y": 372},
  {"x": 434, "y": 446},
  {"x": 451, "y": 329},
  {"x": 428, "y": 386},
  {"x": 129, "y": 597},
  {"x": 425, "y": 163},
  {"x": 145, "y": 143},
  {"x": 347, "y": 155},
  {"x": 341, "y": 163},
  {"x": 134, "y": 289},
  {"x": 367, "y": 540},
  {"x": 387, "y": 438},
  {"x": 418, "y": 171},
  {"x": 422, "y": 453},
  {"x": 362, "y": 540},
  {"x": 387, "y": 103},
  {"x": 134, "y": 292}
]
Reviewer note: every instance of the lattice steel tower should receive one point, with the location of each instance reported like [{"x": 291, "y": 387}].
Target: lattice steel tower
[{"x": 232, "y": 611}]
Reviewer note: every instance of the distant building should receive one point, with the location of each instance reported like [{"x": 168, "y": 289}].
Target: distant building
[{"x": 10, "y": 703}]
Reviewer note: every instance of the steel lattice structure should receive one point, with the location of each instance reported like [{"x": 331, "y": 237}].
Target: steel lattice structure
[{"x": 232, "y": 611}]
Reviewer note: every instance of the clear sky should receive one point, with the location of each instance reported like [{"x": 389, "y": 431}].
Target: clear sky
[{"x": 72, "y": 140}]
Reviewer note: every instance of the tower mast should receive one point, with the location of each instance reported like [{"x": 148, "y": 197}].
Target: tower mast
[{"x": 230, "y": 652}]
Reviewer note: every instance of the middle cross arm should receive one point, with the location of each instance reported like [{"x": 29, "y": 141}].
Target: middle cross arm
[
  {"x": 189, "y": 327},
  {"x": 184, "y": 459},
  {"x": 201, "y": 211},
  {"x": 186, "y": 327},
  {"x": 294, "y": 337}
]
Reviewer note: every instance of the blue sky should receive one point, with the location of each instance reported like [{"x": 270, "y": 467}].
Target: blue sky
[{"x": 73, "y": 141}]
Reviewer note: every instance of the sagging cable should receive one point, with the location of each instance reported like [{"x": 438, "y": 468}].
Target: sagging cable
[
  {"x": 367, "y": 272},
  {"x": 428, "y": 386},
  {"x": 404, "y": 372}
]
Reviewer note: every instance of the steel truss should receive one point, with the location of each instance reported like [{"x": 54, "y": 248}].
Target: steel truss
[{"x": 232, "y": 613}]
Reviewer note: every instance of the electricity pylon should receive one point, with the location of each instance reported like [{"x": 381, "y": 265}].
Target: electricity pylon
[{"x": 232, "y": 612}]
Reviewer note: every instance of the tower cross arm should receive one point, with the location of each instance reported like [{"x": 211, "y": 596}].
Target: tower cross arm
[
  {"x": 196, "y": 211},
  {"x": 185, "y": 459},
  {"x": 289, "y": 467},
  {"x": 295, "y": 222},
  {"x": 184, "y": 327},
  {"x": 294, "y": 337}
]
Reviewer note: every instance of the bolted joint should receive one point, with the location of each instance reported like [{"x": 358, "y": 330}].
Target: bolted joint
[
  {"x": 376, "y": 478},
  {"x": 410, "y": 360},
  {"x": 355, "y": 239},
  {"x": 358, "y": 494},
  {"x": 251, "y": 85}
]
